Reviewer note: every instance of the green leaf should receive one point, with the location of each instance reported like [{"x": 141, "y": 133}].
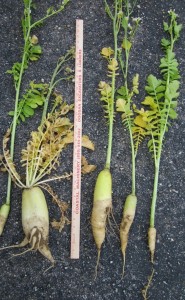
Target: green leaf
[
  {"x": 173, "y": 104},
  {"x": 11, "y": 113},
  {"x": 126, "y": 44},
  {"x": 124, "y": 22},
  {"x": 172, "y": 114},
  {"x": 49, "y": 11},
  {"x": 22, "y": 117},
  {"x": 177, "y": 29},
  {"x": 122, "y": 91},
  {"x": 165, "y": 25},
  {"x": 34, "y": 97},
  {"x": 32, "y": 104},
  {"x": 28, "y": 110}
]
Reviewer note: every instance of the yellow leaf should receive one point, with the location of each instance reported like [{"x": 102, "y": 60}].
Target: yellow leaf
[
  {"x": 120, "y": 105},
  {"x": 135, "y": 83},
  {"x": 69, "y": 138},
  {"x": 136, "y": 80},
  {"x": 86, "y": 168},
  {"x": 126, "y": 44},
  {"x": 140, "y": 122},
  {"x": 113, "y": 65},
  {"x": 107, "y": 52},
  {"x": 34, "y": 40},
  {"x": 149, "y": 101},
  {"x": 87, "y": 143}
]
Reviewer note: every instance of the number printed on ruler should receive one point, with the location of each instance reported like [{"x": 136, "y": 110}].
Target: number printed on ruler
[{"x": 76, "y": 189}]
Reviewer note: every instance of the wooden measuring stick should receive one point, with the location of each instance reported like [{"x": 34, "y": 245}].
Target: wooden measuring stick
[{"x": 76, "y": 188}]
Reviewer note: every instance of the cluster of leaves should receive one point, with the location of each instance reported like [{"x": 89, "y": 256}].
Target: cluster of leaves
[
  {"x": 124, "y": 104},
  {"x": 33, "y": 97},
  {"x": 32, "y": 52},
  {"x": 162, "y": 93},
  {"x": 105, "y": 89},
  {"x": 44, "y": 148},
  {"x": 130, "y": 26},
  {"x": 125, "y": 93}
]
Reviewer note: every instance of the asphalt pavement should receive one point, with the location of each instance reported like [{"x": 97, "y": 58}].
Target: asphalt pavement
[{"x": 24, "y": 277}]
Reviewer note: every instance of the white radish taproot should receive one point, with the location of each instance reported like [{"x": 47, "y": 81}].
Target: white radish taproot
[
  {"x": 152, "y": 241},
  {"x": 35, "y": 221},
  {"x": 102, "y": 206},
  {"x": 127, "y": 220}
]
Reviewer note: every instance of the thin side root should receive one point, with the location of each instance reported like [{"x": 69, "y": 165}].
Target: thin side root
[
  {"x": 22, "y": 253},
  {"x": 52, "y": 266},
  {"x": 22, "y": 244},
  {"x": 110, "y": 225},
  {"x": 97, "y": 264},
  {"x": 112, "y": 215},
  {"x": 147, "y": 286}
]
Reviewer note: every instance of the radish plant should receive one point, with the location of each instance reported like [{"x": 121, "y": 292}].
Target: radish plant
[
  {"x": 125, "y": 105},
  {"x": 161, "y": 103},
  {"x": 39, "y": 158},
  {"x": 34, "y": 96},
  {"x": 102, "y": 203}
]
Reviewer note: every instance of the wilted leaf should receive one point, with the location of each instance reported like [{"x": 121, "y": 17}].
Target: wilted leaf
[
  {"x": 107, "y": 52},
  {"x": 87, "y": 143},
  {"x": 86, "y": 168}
]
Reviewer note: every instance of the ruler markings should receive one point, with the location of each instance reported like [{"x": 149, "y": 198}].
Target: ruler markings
[{"x": 76, "y": 185}]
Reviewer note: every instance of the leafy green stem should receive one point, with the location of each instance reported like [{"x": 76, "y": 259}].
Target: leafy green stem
[
  {"x": 124, "y": 67},
  {"x": 133, "y": 160},
  {"x": 50, "y": 14},
  {"x": 14, "y": 124},
  {"x": 169, "y": 70},
  {"x": 54, "y": 82},
  {"x": 116, "y": 28}
]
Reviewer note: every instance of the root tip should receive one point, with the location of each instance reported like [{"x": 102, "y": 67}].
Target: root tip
[
  {"x": 97, "y": 264},
  {"x": 123, "y": 269},
  {"x": 152, "y": 257}
]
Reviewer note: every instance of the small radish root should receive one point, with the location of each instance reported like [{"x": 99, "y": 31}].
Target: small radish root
[
  {"x": 152, "y": 242},
  {"x": 151, "y": 245},
  {"x": 102, "y": 206},
  {"x": 127, "y": 220}
]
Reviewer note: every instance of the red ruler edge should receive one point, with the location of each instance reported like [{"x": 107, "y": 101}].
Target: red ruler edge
[{"x": 76, "y": 185}]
